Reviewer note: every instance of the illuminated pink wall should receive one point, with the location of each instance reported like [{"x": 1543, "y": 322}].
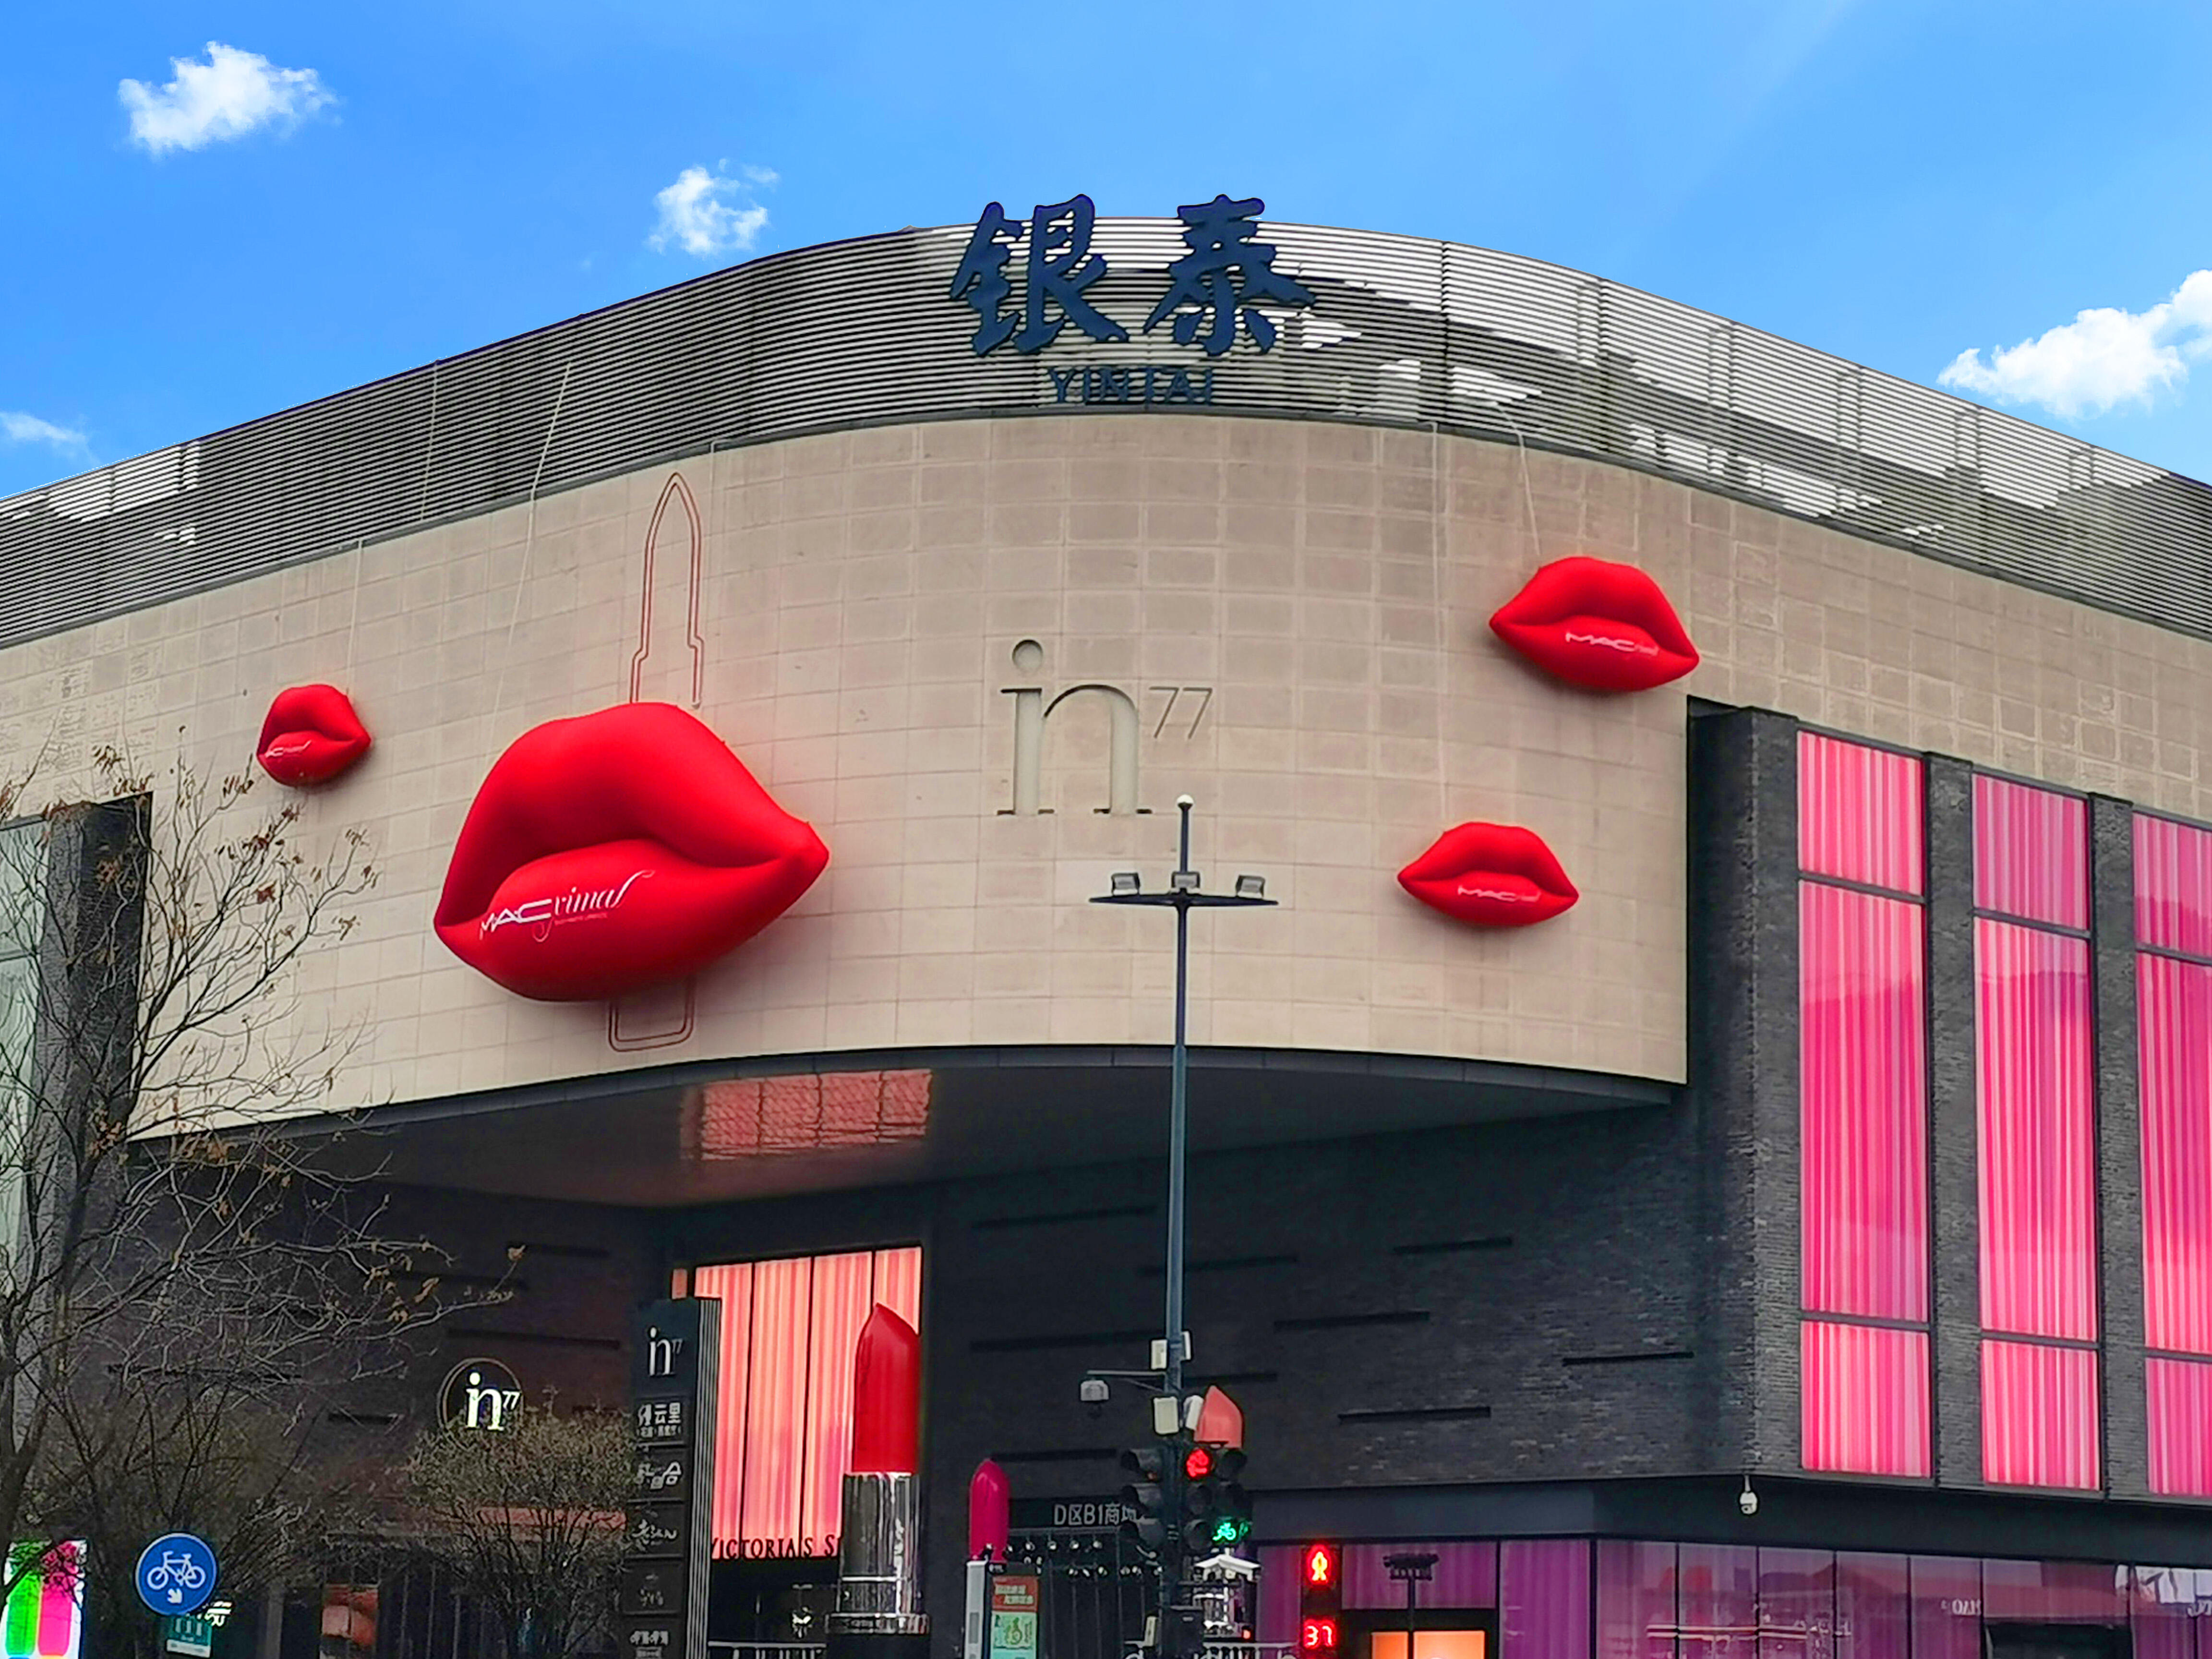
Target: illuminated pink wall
[
  {"x": 2036, "y": 1127},
  {"x": 2173, "y": 987},
  {"x": 2175, "y": 1001},
  {"x": 790, "y": 1327},
  {"x": 2039, "y": 1418},
  {"x": 1862, "y": 1110},
  {"x": 1865, "y": 1406},
  {"x": 1860, "y": 814},
  {"x": 1864, "y": 1105},
  {"x": 2031, "y": 853},
  {"x": 2180, "y": 1426},
  {"x": 2037, "y": 1132}
]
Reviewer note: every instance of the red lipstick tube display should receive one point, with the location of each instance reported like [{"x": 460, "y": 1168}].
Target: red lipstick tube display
[{"x": 878, "y": 1613}]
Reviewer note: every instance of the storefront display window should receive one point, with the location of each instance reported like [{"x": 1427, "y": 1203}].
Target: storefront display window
[
  {"x": 1544, "y": 1599},
  {"x": 1874, "y": 1605},
  {"x": 790, "y": 1327},
  {"x": 1663, "y": 1601},
  {"x": 1796, "y": 1593},
  {"x": 1637, "y": 1611}
]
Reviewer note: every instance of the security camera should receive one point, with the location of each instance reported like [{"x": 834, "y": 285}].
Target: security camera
[
  {"x": 1748, "y": 1500},
  {"x": 1091, "y": 1391}
]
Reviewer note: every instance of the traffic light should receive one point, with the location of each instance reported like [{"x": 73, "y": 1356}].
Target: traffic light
[
  {"x": 1321, "y": 1601},
  {"x": 1218, "y": 1514},
  {"x": 1151, "y": 1479}
]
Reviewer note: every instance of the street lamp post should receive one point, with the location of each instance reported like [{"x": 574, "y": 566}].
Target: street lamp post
[
  {"x": 1182, "y": 897},
  {"x": 1412, "y": 1569}
]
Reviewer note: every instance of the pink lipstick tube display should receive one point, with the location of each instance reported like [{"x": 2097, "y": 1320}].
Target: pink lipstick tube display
[{"x": 878, "y": 1613}]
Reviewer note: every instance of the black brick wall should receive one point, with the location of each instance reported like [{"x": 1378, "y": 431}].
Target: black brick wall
[
  {"x": 1954, "y": 1129},
  {"x": 2119, "y": 1131},
  {"x": 562, "y": 1327},
  {"x": 1543, "y": 1269},
  {"x": 1744, "y": 1080}
]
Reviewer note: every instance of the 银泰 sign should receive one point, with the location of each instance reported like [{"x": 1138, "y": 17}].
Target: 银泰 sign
[{"x": 1219, "y": 292}]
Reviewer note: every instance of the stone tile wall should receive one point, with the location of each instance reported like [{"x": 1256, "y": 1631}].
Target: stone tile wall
[{"x": 1296, "y": 612}]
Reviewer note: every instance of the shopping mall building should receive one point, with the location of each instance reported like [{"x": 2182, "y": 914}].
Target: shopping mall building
[{"x": 1751, "y": 1193}]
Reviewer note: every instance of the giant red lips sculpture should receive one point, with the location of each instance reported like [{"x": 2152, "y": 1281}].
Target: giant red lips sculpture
[
  {"x": 311, "y": 736},
  {"x": 1600, "y": 624},
  {"x": 1494, "y": 875},
  {"x": 618, "y": 850}
]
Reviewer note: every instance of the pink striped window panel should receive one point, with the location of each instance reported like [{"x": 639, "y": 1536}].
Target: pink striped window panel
[
  {"x": 1860, "y": 817},
  {"x": 2034, "y": 1080},
  {"x": 2031, "y": 853},
  {"x": 2180, "y": 1426},
  {"x": 2174, "y": 1004},
  {"x": 1466, "y": 1575},
  {"x": 1543, "y": 1598},
  {"x": 2173, "y": 886},
  {"x": 1863, "y": 1105},
  {"x": 790, "y": 1328},
  {"x": 1864, "y": 1394},
  {"x": 2039, "y": 1416}
]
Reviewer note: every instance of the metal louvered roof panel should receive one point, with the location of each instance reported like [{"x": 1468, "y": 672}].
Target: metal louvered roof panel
[{"x": 1405, "y": 332}]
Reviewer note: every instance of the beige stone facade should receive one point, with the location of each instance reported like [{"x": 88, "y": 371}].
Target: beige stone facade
[{"x": 1297, "y": 613}]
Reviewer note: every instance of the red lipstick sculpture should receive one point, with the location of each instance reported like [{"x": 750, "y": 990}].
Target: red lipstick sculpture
[
  {"x": 618, "y": 850},
  {"x": 990, "y": 1511},
  {"x": 1602, "y": 625},
  {"x": 878, "y": 1613},
  {"x": 1493, "y": 875},
  {"x": 310, "y": 736}
]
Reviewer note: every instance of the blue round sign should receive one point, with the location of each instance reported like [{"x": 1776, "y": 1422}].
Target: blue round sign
[{"x": 176, "y": 1575}]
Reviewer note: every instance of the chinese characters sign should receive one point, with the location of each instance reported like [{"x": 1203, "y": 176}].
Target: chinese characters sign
[
  {"x": 1215, "y": 290},
  {"x": 676, "y": 1349}
]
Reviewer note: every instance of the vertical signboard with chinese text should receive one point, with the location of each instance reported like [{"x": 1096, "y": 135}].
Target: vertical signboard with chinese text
[{"x": 675, "y": 1361}]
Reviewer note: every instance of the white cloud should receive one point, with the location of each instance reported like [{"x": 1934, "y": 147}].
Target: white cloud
[
  {"x": 230, "y": 95},
  {"x": 2105, "y": 356},
  {"x": 704, "y": 213},
  {"x": 16, "y": 428}
]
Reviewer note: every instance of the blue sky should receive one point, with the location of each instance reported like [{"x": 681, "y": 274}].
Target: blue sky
[{"x": 345, "y": 192}]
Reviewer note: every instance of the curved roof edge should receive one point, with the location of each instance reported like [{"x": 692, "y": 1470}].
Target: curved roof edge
[{"x": 1400, "y": 331}]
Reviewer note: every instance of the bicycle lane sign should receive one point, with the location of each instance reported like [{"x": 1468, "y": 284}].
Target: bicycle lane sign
[{"x": 176, "y": 1574}]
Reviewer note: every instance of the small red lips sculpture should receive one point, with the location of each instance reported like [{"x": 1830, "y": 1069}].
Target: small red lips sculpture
[
  {"x": 1600, "y": 624},
  {"x": 311, "y": 736},
  {"x": 1494, "y": 875},
  {"x": 618, "y": 850}
]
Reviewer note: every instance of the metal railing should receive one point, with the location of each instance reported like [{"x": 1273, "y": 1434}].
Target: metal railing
[{"x": 1406, "y": 332}]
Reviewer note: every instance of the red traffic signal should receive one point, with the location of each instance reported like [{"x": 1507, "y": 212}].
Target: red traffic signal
[
  {"x": 1321, "y": 1601},
  {"x": 1197, "y": 1463}
]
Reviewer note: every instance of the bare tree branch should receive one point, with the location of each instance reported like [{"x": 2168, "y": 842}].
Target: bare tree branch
[{"x": 184, "y": 1280}]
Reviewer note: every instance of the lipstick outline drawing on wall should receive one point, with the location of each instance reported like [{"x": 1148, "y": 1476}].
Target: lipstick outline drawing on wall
[{"x": 676, "y": 489}]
